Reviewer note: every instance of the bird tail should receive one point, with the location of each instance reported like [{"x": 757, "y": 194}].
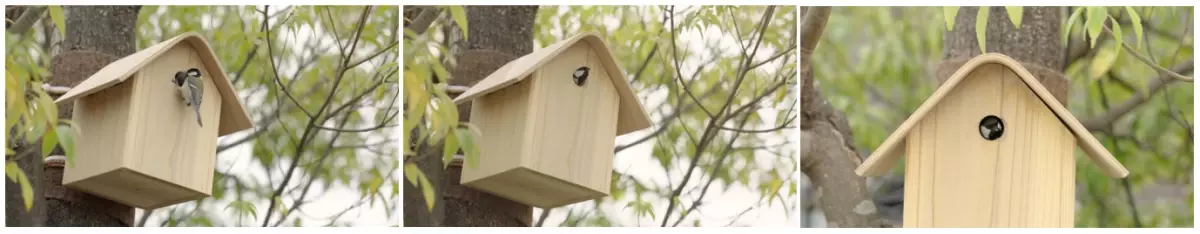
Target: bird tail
[{"x": 197, "y": 108}]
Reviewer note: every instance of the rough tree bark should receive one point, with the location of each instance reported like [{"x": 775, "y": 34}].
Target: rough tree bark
[
  {"x": 828, "y": 155},
  {"x": 496, "y": 35},
  {"x": 95, "y": 36},
  {"x": 827, "y": 152}
]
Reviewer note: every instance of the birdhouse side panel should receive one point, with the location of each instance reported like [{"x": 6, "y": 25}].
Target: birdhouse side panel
[
  {"x": 172, "y": 145},
  {"x": 1036, "y": 170},
  {"x": 502, "y": 118},
  {"x": 576, "y": 116},
  {"x": 104, "y": 136}
]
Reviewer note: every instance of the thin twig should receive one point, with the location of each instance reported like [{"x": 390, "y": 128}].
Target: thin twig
[{"x": 1149, "y": 62}]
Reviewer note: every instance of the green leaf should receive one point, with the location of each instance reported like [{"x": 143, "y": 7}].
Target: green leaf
[
  {"x": 949, "y": 13},
  {"x": 1066, "y": 33},
  {"x": 60, "y": 21},
  {"x": 281, "y": 207},
  {"x": 1095, "y": 23},
  {"x": 11, "y": 169},
  {"x": 412, "y": 173},
  {"x": 1118, "y": 35},
  {"x": 15, "y": 174},
  {"x": 466, "y": 138},
  {"x": 49, "y": 140},
  {"x": 1102, "y": 62},
  {"x": 1136, "y": 20},
  {"x": 427, "y": 191},
  {"x": 26, "y": 190},
  {"x": 66, "y": 140},
  {"x": 449, "y": 148},
  {"x": 1014, "y": 14},
  {"x": 981, "y": 28},
  {"x": 460, "y": 17}
]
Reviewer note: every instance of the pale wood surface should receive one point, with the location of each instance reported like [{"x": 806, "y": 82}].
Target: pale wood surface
[
  {"x": 505, "y": 126},
  {"x": 168, "y": 143},
  {"x": 959, "y": 179},
  {"x": 233, "y": 117},
  {"x": 632, "y": 116},
  {"x": 104, "y": 136},
  {"x": 135, "y": 189},
  {"x": 535, "y": 189},
  {"x": 576, "y": 134},
  {"x": 882, "y": 159},
  {"x": 140, "y": 145},
  {"x": 548, "y": 142}
]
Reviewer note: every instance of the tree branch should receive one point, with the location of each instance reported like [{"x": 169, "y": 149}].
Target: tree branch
[
  {"x": 710, "y": 131},
  {"x": 424, "y": 19},
  {"x": 31, "y": 15},
  {"x": 826, "y": 146},
  {"x": 1149, "y": 62},
  {"x": 1103, "y": 121},
  {"x": 310, "y": 127}
]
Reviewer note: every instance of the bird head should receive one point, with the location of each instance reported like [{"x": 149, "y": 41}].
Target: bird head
[{"x": 193, "y": 72}]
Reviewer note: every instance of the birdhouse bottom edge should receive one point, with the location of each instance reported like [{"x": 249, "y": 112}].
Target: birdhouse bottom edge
[
  {"x": 534, "y": 188},
  {"x": 135, "y": 189}
]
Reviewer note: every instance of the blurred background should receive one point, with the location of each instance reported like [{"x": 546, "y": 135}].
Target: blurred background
[
  {"x": 319, "y": 83},
  {"x": 876, "y": 65},
  {"x": 684, "y": 63}
]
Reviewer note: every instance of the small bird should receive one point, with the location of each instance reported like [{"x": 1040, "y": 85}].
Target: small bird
[
  {"x": 991, "y": 127},
  {"x": 580, "y": 75},
  {"x": 191, "y": 89}
]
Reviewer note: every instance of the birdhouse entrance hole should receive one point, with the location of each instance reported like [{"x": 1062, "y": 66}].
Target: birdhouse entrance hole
[
  {"x": 580, "y": 75},
  {"x": 991, "y": 127}
]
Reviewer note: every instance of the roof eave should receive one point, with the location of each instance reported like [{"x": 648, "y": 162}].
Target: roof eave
[{"x": 889, "y": 152}]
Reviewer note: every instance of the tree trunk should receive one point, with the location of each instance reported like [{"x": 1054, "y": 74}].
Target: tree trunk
[
  {"x": 496, "y": 36},
  {"x": 95, "y": 37},
  {"x": 827, "y": 152},
  {"x": 1036, "y": 44}
]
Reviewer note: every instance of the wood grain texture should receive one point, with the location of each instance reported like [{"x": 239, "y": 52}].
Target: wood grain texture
[
  {"x": 169, "y": 144},
  {"x": 141, "y": 143},
  {"x": 632, "y": 116},
  {"x": 234, "y": 117},
  {"x": 1022, "y": 179},
  {"x": 547, "y": 141},
  {"x": 503, "y": 119},
  {"x": 887, "y": 153}
]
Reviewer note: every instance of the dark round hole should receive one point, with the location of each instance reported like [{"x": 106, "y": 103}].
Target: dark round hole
[
  {"x": 580, "y": 75},
  {"x": 991, "y": 127}
]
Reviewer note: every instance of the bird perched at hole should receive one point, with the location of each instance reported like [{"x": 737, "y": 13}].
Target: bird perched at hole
[
  {"x": 191, "y": 88},
  {"x": 991, "y": 128},
  {"x": 580, "y": 75}
]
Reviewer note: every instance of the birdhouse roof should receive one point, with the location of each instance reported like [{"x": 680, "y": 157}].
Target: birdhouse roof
[
  {"x": 233, "y": 115},
  {"x": 631, "y": 116},
  {"x": 889, "y": 152}
]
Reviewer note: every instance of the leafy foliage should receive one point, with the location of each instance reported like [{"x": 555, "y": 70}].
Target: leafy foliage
[{"x": 31, "y": 117}]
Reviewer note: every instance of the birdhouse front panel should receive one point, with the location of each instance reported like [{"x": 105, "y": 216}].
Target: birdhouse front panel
[
  {"x": 990, "y": 154},
  {"x": 548, "y": 140},
  {"x": 578, "y": 117},
  {"x": 174, "y": 146}
]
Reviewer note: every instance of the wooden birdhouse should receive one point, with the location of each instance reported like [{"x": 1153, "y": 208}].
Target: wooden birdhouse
[
  {"x": 990, "y": 148},
  {"x": 138, "y": 142},
  {"x": 549, "y": 121}
]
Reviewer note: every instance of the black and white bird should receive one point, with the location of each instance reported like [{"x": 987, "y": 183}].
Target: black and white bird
[
  {"x": 191, "y": 89},
  {"x": 580, "y": 75}
]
